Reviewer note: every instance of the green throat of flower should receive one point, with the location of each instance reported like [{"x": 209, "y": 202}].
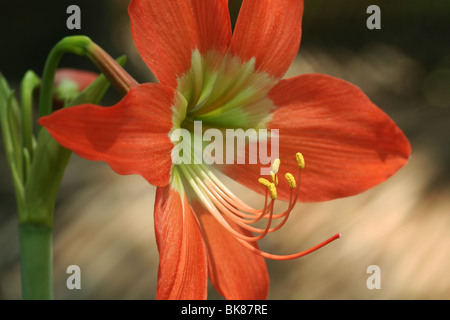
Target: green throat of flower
[{"x": 224, "y": 92}]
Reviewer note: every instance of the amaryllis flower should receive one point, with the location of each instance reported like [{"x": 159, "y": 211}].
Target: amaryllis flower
[{"x": 230, "y": 80}]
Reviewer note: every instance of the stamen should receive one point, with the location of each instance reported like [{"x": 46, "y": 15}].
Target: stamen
[
  {"x": 273, "y": 191},
  {"x": 229, "y": 196},
  {"x": 291, "y": 180},
  {"x": 217, "y": 206},
  {"x": 239, "y": 215},
  {"x": 243, "y": 211},
  {"x": 266, "y": 183},
  {"x": 228, "y": 209},
  {"x": 300, "y": 160}
]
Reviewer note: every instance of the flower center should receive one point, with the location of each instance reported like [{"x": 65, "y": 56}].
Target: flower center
[
  {"x": 223, "y": 91},
  {"x": 227, "y": 207}
]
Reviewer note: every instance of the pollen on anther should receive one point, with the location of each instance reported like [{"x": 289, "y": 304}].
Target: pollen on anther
[
  {"x": 291, "y": 180},
  {"x": 264, "y": 182},
  {"x": 300, "y": 160},
  {"x": 273, "y": 191}
]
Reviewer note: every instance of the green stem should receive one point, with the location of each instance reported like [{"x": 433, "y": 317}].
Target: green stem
[
  {"x": 36, "y": 262},
  {"x": 73, "y": 44},
  {"x": 81, "y": 45}
]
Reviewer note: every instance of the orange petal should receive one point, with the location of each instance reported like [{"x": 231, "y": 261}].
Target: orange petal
[
  {"x": 234, "y": 271},
  {"x": 349, "y": 144},
  {"x": 182, "y": 258},
  {"x": 132, "y": 136},
  {"x": 166, "y": 33},
  {"x": 270, "y": 31}
]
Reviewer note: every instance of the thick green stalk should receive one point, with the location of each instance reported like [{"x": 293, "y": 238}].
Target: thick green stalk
[
  {"x": 36, "y": 262},
  {"x": 74, "y": 44}
]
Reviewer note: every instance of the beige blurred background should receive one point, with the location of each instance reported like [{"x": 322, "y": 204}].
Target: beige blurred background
[{"x": 104, "y": 222}]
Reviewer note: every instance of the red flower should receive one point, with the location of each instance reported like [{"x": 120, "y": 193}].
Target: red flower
[
  {"x": 230, "y": 80},
  {"x": 80, "y": 78},
  {"x": 69, "y": 83}
]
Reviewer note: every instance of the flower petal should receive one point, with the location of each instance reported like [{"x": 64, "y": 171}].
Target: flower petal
[
  {"x": 349, "y": 144},
  {"x": 132, "y": 136},
  {"x": 167, "y": 32},
  {"x": 68, "y": 83},
  {"x": 270, "y": 31},
  {"x": 234, "y": 271},
  {"x": 82, "y": 78},
  {"x": 182, "y": 258}
]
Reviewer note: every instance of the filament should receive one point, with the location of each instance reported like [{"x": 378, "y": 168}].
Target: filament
[{"x": 230, "y": 211}]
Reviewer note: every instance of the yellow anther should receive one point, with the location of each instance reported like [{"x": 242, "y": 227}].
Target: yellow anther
[
  {"x": 264, "y": 182},
  {"x": 291, "y": 180},
  {"x": 276, "y": 165},
  {"x": 273, "y": 191},
  {"x": 274, "y": 178},
  {"x": 270, "y": 186},
  {"x": 300, "y": 160}
]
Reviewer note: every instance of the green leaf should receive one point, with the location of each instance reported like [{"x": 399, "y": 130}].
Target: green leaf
[{"x": 29, "y": 83}]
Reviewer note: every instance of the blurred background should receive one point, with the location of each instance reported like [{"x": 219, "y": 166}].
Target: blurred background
[{"x": 104, "y": 222}]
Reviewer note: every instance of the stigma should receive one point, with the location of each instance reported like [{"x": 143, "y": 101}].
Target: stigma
[{"x": 226, "y": 207}]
